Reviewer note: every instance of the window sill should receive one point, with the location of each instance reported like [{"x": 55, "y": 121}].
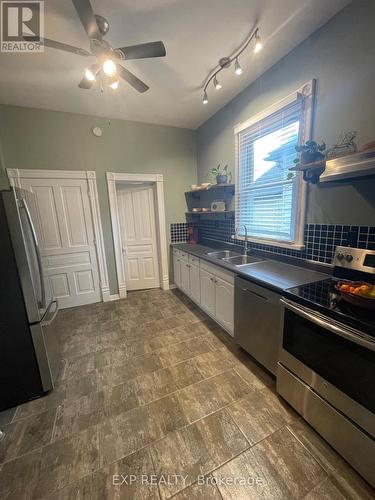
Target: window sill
[{"x": 272, "y": 243}]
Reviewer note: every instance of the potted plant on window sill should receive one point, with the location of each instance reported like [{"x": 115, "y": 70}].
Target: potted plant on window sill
[{"x": 221, "y": 174}]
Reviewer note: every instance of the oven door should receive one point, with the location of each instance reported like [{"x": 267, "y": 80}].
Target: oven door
[{"x": 336, "y": 361}]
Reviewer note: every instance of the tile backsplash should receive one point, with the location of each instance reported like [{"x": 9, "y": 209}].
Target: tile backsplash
[
  {"x": 179, "y": 232},
  {"x": 320, "y": 239}
]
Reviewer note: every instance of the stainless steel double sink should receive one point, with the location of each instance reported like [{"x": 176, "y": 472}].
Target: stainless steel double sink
[{"x": 234, "y": 258}]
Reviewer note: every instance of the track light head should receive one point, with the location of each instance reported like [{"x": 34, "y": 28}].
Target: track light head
[
  {"x": 258, "y": 43},
  {"x": 217, "y": 84},
  {"x": 237, "y": 67},
  {"x": 205, "y": 98}
]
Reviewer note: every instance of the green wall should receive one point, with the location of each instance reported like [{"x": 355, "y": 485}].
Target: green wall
[
  {"x": 341, "y": 56},
  {"x": 34, "y": 138}
]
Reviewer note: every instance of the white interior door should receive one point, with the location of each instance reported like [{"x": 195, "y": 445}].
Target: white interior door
[
  {"x": 138, "y": 236},
  {"x": 64, "y": 227}
]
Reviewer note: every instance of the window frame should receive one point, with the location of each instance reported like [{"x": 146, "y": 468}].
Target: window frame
[{"x": 307, "y": 93}]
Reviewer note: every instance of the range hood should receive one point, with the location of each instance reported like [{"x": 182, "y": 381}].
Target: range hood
[{"x": 349, "y": 167}]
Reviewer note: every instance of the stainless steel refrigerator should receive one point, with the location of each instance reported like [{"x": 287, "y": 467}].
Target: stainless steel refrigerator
[{"x": 29, "y": 342}]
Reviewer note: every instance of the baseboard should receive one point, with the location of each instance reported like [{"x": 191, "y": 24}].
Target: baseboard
[
  {"x": 172, "y": 286},
  {"x": 115, "y": 296}
]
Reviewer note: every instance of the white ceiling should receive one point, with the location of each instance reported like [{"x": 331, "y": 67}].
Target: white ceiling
[{"x": 196, "y": 34}]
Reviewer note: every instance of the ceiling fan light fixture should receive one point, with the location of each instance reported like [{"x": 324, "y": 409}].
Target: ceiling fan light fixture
[
  {"x": 113, "y": 83},
  {"x": 217, "y": 84},
  {"x": 237, "y": 67},
  {"x": 90, "y": 75},
  {"x": 109, "y": 67}
]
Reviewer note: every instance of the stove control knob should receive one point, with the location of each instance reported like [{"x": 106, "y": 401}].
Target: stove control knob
[
  {"x": 340, "y": 256},
  {"x": 349, "y": 257}
]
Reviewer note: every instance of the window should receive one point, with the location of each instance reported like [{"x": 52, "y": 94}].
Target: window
[{"x": 269, "y": 201}]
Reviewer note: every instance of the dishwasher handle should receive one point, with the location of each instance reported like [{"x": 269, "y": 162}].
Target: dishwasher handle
[{"x": 255, "y": 293}]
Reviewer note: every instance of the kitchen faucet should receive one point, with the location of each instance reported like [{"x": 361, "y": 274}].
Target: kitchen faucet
[{"x": 246, "y": 242}]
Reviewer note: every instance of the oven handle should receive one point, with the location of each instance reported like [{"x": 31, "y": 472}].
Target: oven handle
[{"x": 350, "y": 334}]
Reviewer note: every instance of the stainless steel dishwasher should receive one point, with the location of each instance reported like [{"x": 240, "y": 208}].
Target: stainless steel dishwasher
[{"x": 257, "y": 322}]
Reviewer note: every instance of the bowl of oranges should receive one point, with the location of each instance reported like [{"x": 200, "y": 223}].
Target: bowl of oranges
[{"x": 358, "y": 293}]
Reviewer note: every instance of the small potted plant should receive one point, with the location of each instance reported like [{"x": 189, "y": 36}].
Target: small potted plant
[
  {"x": 221, "y": 174},
  {"x": 311, "y": 152}
]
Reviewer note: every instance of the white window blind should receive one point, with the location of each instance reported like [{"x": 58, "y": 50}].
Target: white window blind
[{"x": 266, "y": 199}]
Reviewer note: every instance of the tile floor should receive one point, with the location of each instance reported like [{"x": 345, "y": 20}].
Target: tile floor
[{"x": 156, "y": 401}]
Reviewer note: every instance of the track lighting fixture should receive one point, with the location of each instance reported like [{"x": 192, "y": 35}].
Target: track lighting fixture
[
  {"x": 217, "y": 84},
  {"x": 225, "y": 62},
  {"x": 258, "y": 43},
  {"x": 237, "y": 67}
]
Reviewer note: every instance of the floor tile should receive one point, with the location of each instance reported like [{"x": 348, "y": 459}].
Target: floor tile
[
  {"x": 67, "y": 461},
  {"x": 134, "y": 429},
  {"x": 26, "y": 435},
  {"x": 205, "y": 490},
  {"x": 78, "y": 367},
  {"x": 186, "y": 373},
  {"x": 155, "y": 385},
  {"x": 18, "y": 478},
  {"x": 259, "y": 414},
  {"x": 210, "y": 395},
  {"x": 66, "y": 389},
  {"x": 212, "y": 363},
  {"x": 195, "y": 450},
  {"x": 342, "y": 486},
  {"x": 277, "y": 467},
  {"x": 77, "y": 415},
  {"x": 129, "y": 478}
]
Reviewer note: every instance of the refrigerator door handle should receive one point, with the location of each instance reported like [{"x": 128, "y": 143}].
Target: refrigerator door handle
[
  {"x": 37, "y": 251},
  {"x": 50, "y": 316}
]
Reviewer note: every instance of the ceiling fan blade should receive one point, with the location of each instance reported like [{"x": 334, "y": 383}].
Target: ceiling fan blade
[
  {"x": 132, "y": 79},
  {"x": 143, "y": 50},
  {"x": 87, "y": 17},
  {"x": 62, "y": 46},
  {"x": 85, "y": 83}
]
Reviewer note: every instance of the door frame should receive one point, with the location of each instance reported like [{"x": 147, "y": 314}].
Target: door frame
[
  {"x": 157, "y": 182},
  {"x": 16, "y": 174}
]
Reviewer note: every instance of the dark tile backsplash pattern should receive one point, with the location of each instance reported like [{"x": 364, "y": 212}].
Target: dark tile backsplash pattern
[
  {"x": 320, "y": 239},
  {"x": 179, "y": 232}
]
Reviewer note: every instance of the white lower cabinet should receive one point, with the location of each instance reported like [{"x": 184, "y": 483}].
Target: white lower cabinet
[
  {"x": 207, "y": 285},
  {"x": 224, "y": 304},
  {"x": 185, "y": 277},
  {"x": 177, "y": 269},
  {"x": 195, "y": 285}
]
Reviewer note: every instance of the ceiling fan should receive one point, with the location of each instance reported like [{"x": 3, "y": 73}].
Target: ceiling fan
[{"x": 108, "y": 58}]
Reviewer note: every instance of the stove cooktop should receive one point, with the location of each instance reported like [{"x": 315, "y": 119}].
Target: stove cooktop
[{"x": 324, "y": 298}]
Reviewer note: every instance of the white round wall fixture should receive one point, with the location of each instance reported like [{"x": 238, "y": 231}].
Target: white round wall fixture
[{"x": 97, "y": 131}]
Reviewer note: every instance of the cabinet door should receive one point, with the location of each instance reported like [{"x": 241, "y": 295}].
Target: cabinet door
[
  {"x": 177, "y": 270},
  {"x": 207, "y": 281},
  {"x": 195, "y": 286},
  {"x": 185, "y": 277},
  {"x": 224, "y": 304}
]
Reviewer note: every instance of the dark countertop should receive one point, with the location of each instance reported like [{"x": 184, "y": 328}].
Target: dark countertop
[{"x": 268, "y": 272}]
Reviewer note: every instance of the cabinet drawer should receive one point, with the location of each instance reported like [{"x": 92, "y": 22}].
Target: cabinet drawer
[
  {"x": 194, "y": 260},
  {"x": 218, "y": 272}
]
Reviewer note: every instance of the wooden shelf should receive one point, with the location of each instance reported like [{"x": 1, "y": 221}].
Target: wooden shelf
[
  {"x": 195, "y": 214},
  {"x": 308, "y": 166},
  {"x": 211, "y": 188}
]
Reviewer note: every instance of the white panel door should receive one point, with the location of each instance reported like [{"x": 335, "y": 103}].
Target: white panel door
[
  {"x": 224, "y": 304},
  {"x": 64, "y": 227},
  {"x": 138, "y": 237},
  {"x": 207, "y": 281}
]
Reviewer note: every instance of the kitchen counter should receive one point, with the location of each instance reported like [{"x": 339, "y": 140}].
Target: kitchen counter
[{"x": 271, "y": 273}]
